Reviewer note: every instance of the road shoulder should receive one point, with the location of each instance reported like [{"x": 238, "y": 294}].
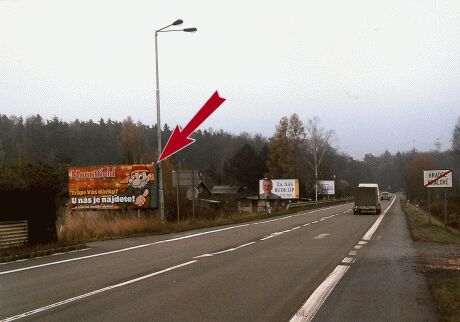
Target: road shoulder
[{"x": 386, "y": 282}]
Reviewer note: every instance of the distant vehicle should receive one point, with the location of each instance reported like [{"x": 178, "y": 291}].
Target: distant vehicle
[
  {"x": 367, "y": 199},
  {"x": 385, "y": 195}
]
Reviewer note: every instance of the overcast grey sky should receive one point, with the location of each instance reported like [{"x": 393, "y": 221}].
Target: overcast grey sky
[{"x": 381, "y": 74}]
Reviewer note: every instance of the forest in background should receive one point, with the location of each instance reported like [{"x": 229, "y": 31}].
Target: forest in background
[{"x": 297, "y": 149}]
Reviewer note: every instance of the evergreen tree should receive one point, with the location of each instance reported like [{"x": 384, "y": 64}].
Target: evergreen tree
[{"x": 246, "y": 166}]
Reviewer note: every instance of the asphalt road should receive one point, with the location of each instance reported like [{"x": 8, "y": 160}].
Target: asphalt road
[{"x": 258, "y": 271}]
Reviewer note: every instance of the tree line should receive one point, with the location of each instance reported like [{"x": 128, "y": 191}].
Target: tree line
[{"x": 297, "y": 149}]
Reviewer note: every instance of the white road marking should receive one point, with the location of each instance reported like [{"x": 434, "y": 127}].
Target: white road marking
[
  {"x": 314, "y": 302},
  {"x": 362, "y": 242},
  {"x": 314, "y": 222},
  {"x": 121, "y": 250},
  {"x": 320, "y": 236},
  {"x": 308, "y": 310},
  {"x": 374, "y": 227},
  {"x": 79, "y": 250},
  {"x": 201, "y": 256},
  {"x": 182, "y": 237},
  {"x": 233, "y": 249},
  {"x": 224, "y": 251},
  {"x": 79, "y": 297},
  {"x": 353, "y": 253},
  {"x": 271, "y": 235},
  {"x": 310, "y": 212},
  {"x": 348, "y": 260}
]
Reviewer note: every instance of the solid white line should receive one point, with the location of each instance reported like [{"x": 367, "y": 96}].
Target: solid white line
[
  {"x": 155, "y": 243},
  {"x": 120, "y": 250},
  {"x": 201, "y": 256},
  {"x": 79, "y": 297},
  {"x": 314, "y": 302},
  {"x": 374, "y": 227},
  {"x": 319, "y": 296}
]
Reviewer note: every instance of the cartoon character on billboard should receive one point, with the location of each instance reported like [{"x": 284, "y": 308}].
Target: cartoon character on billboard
[{"x": 139, "y": 184}]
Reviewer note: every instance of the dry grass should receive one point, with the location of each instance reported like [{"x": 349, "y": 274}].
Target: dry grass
[
  {"x": 424, "y": 229},
  {"x": 84, "y": 227},
  {"x": 445, "y": 290}
]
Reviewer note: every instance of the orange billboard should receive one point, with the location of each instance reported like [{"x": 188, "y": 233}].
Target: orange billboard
[{"x": 112, "y": 187}]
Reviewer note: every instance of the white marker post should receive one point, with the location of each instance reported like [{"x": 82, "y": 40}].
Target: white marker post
[{"x": 438, "y": 179}]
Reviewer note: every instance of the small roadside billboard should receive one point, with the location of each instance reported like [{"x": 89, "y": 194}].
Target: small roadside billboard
[
  {"x": 326, "y": 187},
  {"x": 279, "y": 189}
]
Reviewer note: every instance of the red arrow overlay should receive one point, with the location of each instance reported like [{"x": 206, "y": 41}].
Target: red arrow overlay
[{"x": 180, "y": 138}]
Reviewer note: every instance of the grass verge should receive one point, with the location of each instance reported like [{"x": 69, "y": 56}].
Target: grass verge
[
  {"x": 445, "y": 290},
  {"x": 444, "y": 283},
  {"x": 423, "y": 230}
]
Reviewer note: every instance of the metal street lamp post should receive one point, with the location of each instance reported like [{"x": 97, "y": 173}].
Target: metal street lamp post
[{"x": 161, "y": 205}]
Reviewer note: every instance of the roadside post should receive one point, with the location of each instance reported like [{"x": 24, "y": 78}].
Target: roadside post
[
  {"x": 437, "y": 179},
  {"x": 185, "y": 179},
  {"x": 429, "y": 207},
  {"x": 445, "y": 207}
]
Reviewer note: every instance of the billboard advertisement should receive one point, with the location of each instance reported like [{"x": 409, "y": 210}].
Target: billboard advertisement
[
  {"x": 112, "y": 187},
  {"x": 326, "y": 187},
  {"x": 279, "y": 189}
]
